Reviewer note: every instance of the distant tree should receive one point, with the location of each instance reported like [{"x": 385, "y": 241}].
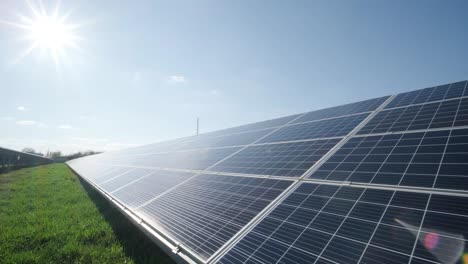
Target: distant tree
[
  {"x": 55, "y": 155},
  {"x": 29, "y": 150},
  {"x": 58, "y": 157},
  {"x": 81, "y": 154},
  {"x": 32, "y": 151}
]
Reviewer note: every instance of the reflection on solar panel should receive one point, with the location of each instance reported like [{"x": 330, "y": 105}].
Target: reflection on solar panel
[
  {"x": 432, "y": 159},
  {"x": 433, "y": 115},
  {"x": 285, "y": 159},
  {"x": 334, "y": 127},
  {"x": 340, "y": 224},
  {"x": 348, "y": 109},
  {"x": 379, "y": 181}
]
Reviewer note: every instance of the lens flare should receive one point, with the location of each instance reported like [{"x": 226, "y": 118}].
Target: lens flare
[
  {"x": 445, "y": 246},
  {"x": 465, "y": 258},
  {"x": 431, "y": 240}
]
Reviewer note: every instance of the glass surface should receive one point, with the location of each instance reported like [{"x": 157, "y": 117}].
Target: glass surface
[{"x": 333, "y": 224}]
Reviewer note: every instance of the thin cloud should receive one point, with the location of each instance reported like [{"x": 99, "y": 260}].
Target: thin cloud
[
  {"x": 26, "y": 122},
  {"x": 177, "y": 79},
  {"x": 137, "y": 76},
  {"x": 7, "y": 118},
  {"x": 87, "y": 117},
  {"x": 66, "y": 127},
  {"x": 21, "y": 108}
]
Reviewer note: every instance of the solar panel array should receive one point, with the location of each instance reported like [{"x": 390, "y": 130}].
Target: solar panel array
[
  {"x": 379, "y": 181},
  {"x": 12, "y": 159}
]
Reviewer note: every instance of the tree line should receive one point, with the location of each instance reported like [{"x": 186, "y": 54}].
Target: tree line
[{"x": 58, "y": 156}]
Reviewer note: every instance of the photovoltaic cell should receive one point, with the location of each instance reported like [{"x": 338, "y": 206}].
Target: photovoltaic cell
[
  {"x": 333, "y": 224},
  {"x": 284, "y": 159},
  {"x": 434, "y": 115},
  {"x": 334, "y": 127},
  {"x": 442, "y": 92},
  {"x": 347, "y": 109},
  {"x": 206, "y": 211}
]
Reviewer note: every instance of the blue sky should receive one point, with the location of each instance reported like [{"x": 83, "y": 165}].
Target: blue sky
[{"x": 146, "y": 69}]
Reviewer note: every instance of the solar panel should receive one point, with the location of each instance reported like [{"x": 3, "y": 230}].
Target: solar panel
[
  {"x": 442, "y": 92},
  {"x": 334, "y": 127},
  {"x": 210, "y": 141},
  {"x": 146, "y": 186},
  {"x": 197, "y": 159},
  {"x": 379, "y": 181},
  {"x": 284, "y": 159},
  {"x": 347, "y": 109},
  {"x": 277, "y": 122},
  {"x": 435, "y": 159},
  {"x": 339, "y": 224},
  {"x": 419, "y": 117},
  {"x": 206, "y": 211}
]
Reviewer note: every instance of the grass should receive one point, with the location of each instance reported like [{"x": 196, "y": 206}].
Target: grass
[{"x": 48, "y": 215}]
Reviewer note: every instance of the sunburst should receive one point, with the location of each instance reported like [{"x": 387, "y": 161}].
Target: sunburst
[{"x": 47, "y": 32}]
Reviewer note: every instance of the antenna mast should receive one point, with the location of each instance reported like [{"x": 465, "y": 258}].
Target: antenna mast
[{"x": 198, "y": 126}]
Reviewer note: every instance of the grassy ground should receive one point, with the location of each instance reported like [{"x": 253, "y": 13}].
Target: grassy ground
[{"x": 47, "y": 215}]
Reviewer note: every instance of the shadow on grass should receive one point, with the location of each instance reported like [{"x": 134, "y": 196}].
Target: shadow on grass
[
  {"x": 136, "y": 244},
  {"x": 17, "y": 167}
]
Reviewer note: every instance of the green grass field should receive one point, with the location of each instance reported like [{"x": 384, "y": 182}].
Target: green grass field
[{"x": 47, "y": 215}]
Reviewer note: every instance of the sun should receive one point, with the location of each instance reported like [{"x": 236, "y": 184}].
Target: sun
[{"x": 48, "y": 33}]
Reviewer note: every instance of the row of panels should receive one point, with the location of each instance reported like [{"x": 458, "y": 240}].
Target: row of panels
[
  {"x": 314, "y": 222},
  {"x": 203, "y": 209},
  {"x": 330, "y": 122},
  {"x": 431, "y": 159},
  {"x": 204, "y": 152},
  {"x": 401, "y": 119},
  {"x": 200, "y": 211},
  {"x": 12, "y": 158}
]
